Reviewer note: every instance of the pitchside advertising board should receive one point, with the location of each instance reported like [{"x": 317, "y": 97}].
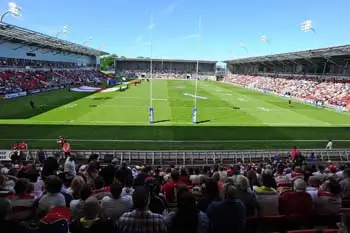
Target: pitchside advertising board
[{"x": 5, "y": 155}]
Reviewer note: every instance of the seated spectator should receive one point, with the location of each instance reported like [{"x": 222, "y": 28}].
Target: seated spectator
[
  {"x": 187, "y": 218},
  {"x": 52, "y": 197},
  {"x": 128, "y": 189},
  {"x": 77, "y": 206},
  {"x": 328, "y": 200},
  {"x": 211, "y": 193},
  {"x": 141, "y": 177},
  {"x": 345, "y": 188},
  {"x": 7, "y": 225},
  {"x": 228, "y": 214},
  {"x": 141, "y": 220},
  {"x": 267, "y": 196},
  {"x": 195, "y": 178},
  {"x": 246, "y": 197},
  {"x": 296, "y": 202},
  {"x": 100, "y": 190},
  {"x": 113, "y": 207},
  {"x": 91, "y": 222},
  {"x": 75, "y": 187},
  {"x": 22, "y": 203}
]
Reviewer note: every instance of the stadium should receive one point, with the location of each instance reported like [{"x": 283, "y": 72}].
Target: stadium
[{"x": 262, "y": 125}]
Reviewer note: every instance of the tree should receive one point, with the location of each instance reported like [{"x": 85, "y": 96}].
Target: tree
[{"x": 107, "y": 62}]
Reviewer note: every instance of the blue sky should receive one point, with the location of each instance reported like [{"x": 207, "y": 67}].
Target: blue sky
[{"x": 123, "y": 25}]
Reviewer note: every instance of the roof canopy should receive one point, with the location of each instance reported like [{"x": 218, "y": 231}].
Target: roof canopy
[
  {"x": 13, "y": 33},
  {"x": 164, "y": 60},
  {"x": 325, "y": 53}
]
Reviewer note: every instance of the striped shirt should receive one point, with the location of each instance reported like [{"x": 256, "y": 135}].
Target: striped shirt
[
  {"x": 139, "y": 221},
  {"x": 22, "y": 207},
  {"x": 114, "y": 208}
]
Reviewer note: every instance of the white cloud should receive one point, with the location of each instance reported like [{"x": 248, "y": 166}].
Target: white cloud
[
  {"x": 187, "y": 37},
  {"x": 139, "y": 38},
  {"x": 170, "y": 8}
]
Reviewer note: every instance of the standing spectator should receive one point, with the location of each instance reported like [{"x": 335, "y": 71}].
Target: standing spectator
[
  {"x": 50, "y": 167},
  {"x": 69, "y": 166},
  {"x": 170, "y": 187},
  {"x": 141, "y": 220},
  {"x": 228, "y": 214},
  {"x": 53, "y": 197},
  {"x": 329, "y": 145},
  {"x": 66, "y": 148},
  {"x": 157, "y": 203},
  {"x": 113, "y": 207},
  {"x": 187, "y": 219},
  {"x": 124, "y": 174},
  {"x": 210, "y": 193},
  {"x": 244, "y": 194},
  {"x": 141, "y": 177}
]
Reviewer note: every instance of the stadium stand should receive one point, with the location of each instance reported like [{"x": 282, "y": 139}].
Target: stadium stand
[{"x": 164, "y": 68}]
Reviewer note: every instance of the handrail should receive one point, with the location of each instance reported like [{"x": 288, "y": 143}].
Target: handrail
[{"x": 204, "y": 157}]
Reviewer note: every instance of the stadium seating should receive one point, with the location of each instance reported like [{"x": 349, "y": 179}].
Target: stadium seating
[{"x": 332, "y": 92}]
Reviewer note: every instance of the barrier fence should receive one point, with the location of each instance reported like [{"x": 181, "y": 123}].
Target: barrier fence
[{"x": 199, "y": 157}]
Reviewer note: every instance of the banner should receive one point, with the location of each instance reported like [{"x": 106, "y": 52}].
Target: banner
[
  {"x": 5, "y": 155},
  {"x": 34, "y": 91},
  {"x": 86, "y": 89},
  {"x": 15, "y": 95}
]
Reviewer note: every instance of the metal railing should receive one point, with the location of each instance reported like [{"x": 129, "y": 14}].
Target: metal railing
[{"x": 201, "y": 157}]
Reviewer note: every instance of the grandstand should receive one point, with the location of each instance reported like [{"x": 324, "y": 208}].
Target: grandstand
[
  {"x": 323, "y": 62},
  {"x": 165, "y": 68}
]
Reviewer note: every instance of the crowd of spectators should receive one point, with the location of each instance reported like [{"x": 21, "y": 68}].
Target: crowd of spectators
[
  {"x": 117, "y": 198},
  {"x": 19, "y": 81},
  {"x": 23, "y": 63},
  {"x": 333, "y": 92},
  {"x": 163, "y": 74}
]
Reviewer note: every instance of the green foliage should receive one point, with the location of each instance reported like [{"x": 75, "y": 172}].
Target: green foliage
[{"x": 107, "y": 62}]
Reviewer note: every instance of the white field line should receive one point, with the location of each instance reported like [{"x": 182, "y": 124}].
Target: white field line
[{"x": 173, "y": 141}]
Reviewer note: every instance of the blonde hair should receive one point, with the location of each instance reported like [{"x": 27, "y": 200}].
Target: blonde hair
[{"x": 76, "y": 185}]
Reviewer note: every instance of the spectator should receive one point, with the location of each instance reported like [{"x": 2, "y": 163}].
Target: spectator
[
  {"x": 267, "y": 196},
  {"x": 113, "y": 207},
  {"x": 328, "y": 200},
  {"x": 91, "y": 222},
  {"x": 75, "y": 187},
  {"x": 100, "y": 191},
  {"x": 170, "y": 188},
  {"x": 50, "y": 167},
  {"x": 77, "y": 206},
  {"x": 6, "y": 224},
  {"x": 297, "y": 202},
  {"x": 141, "y": 220},
  {"x": 108, "y": 172},
  {"x": 124, "y": 174},
  {"x": 245, "y": 196},
  {"x": 345, "y": 188},
  {"x": 157, "y": 203},
  {"x": 69, "y": 165},
  {"x": 141, "y": 177},
  {"x": 128, "y": 189},
  {"x": 22, "y": 203},
  {"x": 228, "y": 214},
  {"x": 329, "y": 145},
  {"x": 187, "y": 218},
  {"x": 210, "y": 193},
  {"x": 53, "y": 197}
]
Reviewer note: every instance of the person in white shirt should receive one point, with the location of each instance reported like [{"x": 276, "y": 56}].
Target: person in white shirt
[
  {"x": 69, "y": 166},
  {"x": 114, "y": 207},
  {"x": 329, "y": 145}
]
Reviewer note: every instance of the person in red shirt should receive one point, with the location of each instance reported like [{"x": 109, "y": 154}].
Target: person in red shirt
[
  {"x": 66, "y": 148},
  {"x": 297, "y": 202},
  {"x": 170, "y": 188},
  {"x": 294, "y": 153},
  {"x": 15, "y": 146},
  {"x": 60, "y": 141}
]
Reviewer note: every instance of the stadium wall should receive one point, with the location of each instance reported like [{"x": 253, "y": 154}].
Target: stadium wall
[{"x": 19, "y": 51}]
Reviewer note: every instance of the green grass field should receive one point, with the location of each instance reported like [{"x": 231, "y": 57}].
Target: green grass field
[{"x": 228, "y": 118}]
